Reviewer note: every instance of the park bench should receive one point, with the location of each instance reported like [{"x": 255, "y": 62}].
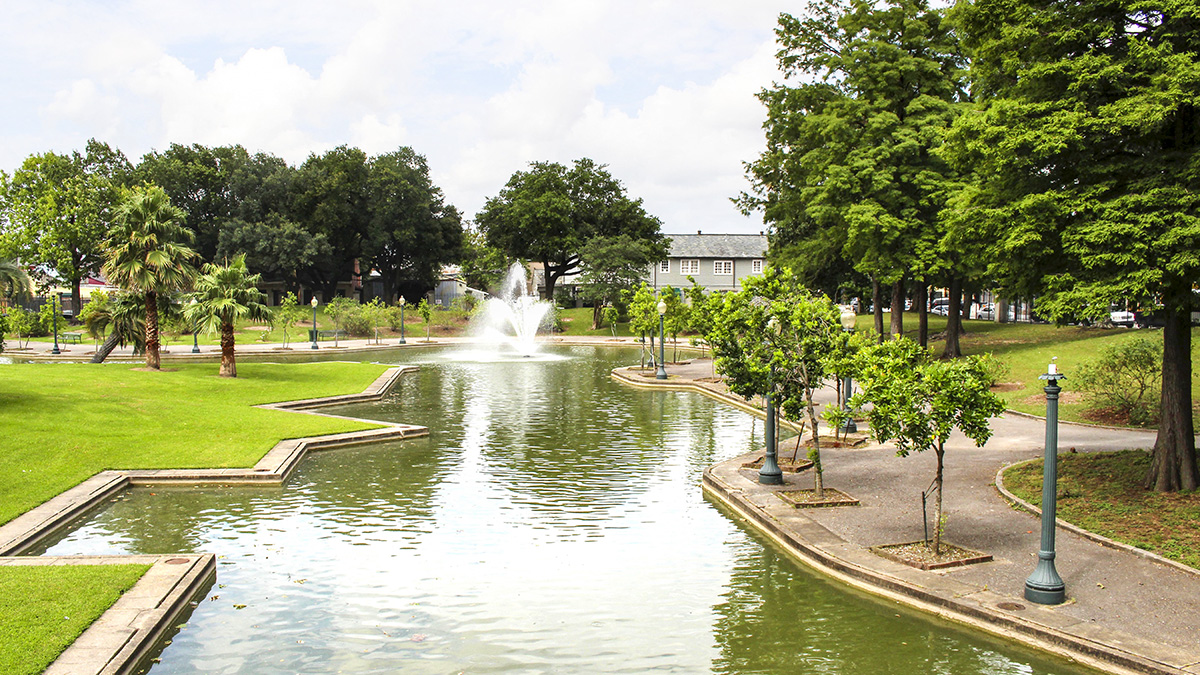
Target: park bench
[
  {"x": 73, "y": 338},
  {"x": 327, "y": 335}
]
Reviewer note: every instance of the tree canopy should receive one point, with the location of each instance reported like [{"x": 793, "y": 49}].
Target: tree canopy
[{"x": 551, "y": 213}]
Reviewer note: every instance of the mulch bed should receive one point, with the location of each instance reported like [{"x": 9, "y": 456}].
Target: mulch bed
[
  {"x": 920, "y": 554},
  {"x": 808, "y": 498},
  {"x": 785, "y": 464}
]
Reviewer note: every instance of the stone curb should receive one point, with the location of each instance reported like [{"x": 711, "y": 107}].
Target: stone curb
[
  {"x": 942, "y": 596},
  {"x": 1086, "y": 534},
  {"x": 124, "y": 636}
]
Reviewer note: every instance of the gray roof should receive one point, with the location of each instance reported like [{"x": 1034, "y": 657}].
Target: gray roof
[{"x": 718, "y": 246}]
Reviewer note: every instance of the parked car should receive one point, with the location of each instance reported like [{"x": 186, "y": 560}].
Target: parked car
[
  {"x": 1122, "y": 317},
  {"x": 940, "y": 306},
  {"x": 986, "y": 312}
]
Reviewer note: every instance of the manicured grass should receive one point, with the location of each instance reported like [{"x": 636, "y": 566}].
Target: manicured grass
[
  {"x": 1103, "y": 493},
  {"x": 44, "y": 608},
  {"x": 61, "y": 423}
]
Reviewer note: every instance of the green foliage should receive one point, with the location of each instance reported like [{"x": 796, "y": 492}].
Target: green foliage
[
  {"x": 289, "y": 313},
  {"x": 3, "y": 328},
  {"x": 994, "y": 369},
  {"x": 612, "y": 266},
  {"x": 675, "y": 320},
  {"x": 224, "y": 294},
  {"x": 337, "y": 310},
  {"x": 1126, "y": 378},
  {"x": 610, "y": 316},
  {"x": 483, "y": 265},
  {"x": 915, "y": 403},
  {"x": 14, "y": 280},
  {"x": 47, "y": 314},
  {"x": 426, "y": 312},
  {"x": 23, "y": 322},
  {"x": 44, "y": 608},
  {"x": 276, "y": 247},
  {"x": 551, "y": 214}
]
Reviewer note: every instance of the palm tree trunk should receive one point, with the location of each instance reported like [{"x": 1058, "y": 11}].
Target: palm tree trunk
[
  {"x": 152, "y": 359},
  {"x": 228, "y": 365},
  {"x": 110, "y": 343}
]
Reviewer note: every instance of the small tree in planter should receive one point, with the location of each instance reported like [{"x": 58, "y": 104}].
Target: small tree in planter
[
  {"x": 336, "y": 310},
  {"x": 916, "y": 403},
  {"x": 426, "y": 313},
  {"x": 643, "y": 318},
  {"x": 610, "y": 315}
]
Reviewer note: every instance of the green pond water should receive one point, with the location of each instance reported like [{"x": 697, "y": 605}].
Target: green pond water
[{"x": 552, "y": 522}]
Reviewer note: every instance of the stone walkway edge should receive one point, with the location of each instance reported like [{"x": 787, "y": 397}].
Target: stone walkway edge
[
  {"x": 123, "y": 637},
  {"x": 822, "y": 550}
]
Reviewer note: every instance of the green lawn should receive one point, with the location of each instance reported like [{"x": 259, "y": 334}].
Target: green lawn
[
  {"x": 1103, "y": 493},
  {"x": 44, "y": 608},
  {"x": 61, "y": 423}
]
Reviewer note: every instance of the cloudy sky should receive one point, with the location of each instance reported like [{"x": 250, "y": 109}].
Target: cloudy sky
[{"x": 660, "y": 91}]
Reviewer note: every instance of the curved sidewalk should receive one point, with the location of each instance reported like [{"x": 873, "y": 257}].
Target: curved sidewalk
[{"x": 1124, "y": 612}]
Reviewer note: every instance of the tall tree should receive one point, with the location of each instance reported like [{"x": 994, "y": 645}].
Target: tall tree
[
  {"x": 1087, "y": 154},
  {"x": 278, "y": 248},
  {"x": 613, "y": 266},
  {"x": 550, "y": 214},
  {"x": 850, "y": 168},
  {"x": 58, "y": 209},
  {"x": 331, "y": 196},
  {"x": 149, "y": 255},
  {"x": 223, "y": 294},
  {"x": 411, "y": 231}
]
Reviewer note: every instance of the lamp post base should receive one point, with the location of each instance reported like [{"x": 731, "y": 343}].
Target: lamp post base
[
  {"x": 1044, "y": 586},
  {"x": 767, "y": 476},
  {"x": 1045, "y": 596}
]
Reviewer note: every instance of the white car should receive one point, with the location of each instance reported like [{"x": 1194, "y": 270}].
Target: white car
[{"x": 1121, "y": 317}]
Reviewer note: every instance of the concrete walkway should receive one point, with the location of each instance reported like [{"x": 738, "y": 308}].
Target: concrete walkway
[{"x": 1124, "y": 613}]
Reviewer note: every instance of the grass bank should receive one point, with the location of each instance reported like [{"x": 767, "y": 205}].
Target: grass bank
[
  {"x": 1103, "y": 493},
  {"x": 62, "y": 423},
  {"x": 44, "y": 608}
]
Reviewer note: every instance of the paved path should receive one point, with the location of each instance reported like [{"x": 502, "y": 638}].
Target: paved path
[{"x": 1116, "y": 599}]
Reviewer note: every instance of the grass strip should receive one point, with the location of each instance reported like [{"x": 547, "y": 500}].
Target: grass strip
[
  {"x": 44, "y": 608},
  {"x": 62, "y": 423},
  {"x": 1102, "y": 493}
]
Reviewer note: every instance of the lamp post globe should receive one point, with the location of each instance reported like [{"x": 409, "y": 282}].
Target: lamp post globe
[
  {"x": 662, "y": 359},
  {"x": 402, "y": 320},
  {"x": 1044, "y": 586},
  {"x": 314, "y": 330},
  {"x": 848, "y": 319},
  {"x": 195, "y": 343}
]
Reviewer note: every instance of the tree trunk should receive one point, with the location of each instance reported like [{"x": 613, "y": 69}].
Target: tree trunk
[
  {"x": 228, "y": 365},
  {"x": 953, "y": 319},
  {"x": 76, "y": 300},
  {"x": 152, "y": 358},
  {"x": 549, "y": 280},
  {"x": 922, "y": 303},
  {"x": 877, "y": 305},
  {"x": 815, "y": 453},
  {"x": 937, "y": 508},
  {"x": 110, "y": 343},
  {"x": 597, "y": 308},
  {"x": 897, "y": 327},
  {"x": 1173, "y": 460}
]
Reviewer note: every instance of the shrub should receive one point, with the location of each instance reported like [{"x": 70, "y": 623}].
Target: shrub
[
  {"x": 357, "y": 321},
  {"x": 993, "y": 369},
  {"x": 1126, "y": 379}
]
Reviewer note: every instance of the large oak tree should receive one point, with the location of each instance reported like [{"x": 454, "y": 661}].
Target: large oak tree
[{"x": 549, "y": 213}]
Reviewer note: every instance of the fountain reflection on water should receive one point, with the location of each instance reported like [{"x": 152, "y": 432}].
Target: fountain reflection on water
[{"x": 507, "y": 325}]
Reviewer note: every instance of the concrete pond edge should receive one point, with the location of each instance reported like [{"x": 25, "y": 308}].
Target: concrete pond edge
[
  {"x": 127, "y": 633},
  {"x": 822, "y": 550}
]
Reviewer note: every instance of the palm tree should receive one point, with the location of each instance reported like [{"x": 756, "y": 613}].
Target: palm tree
[
  {"x": 149, "y": 254},
  {"x": 14, "y": 280},
  {"x": 123, "y": 318},
  {"x": 224, "y": 294}
]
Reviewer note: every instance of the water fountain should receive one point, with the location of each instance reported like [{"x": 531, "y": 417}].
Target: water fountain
[{"x": 508, "y": 323}]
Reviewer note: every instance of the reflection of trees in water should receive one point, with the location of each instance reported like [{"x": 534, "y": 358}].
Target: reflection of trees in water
[{"x": 777, "y": 617}]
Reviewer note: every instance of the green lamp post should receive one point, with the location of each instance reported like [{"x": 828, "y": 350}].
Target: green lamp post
[
  {"x": 848, "y": 319},
  {"x": 195, "y": 342},
  {"x": 55, "y": 300},
  {"x": 402, "y": 341},
  {"x": 314, "y": 330},
  {"x": 770, "y": 473},
  {"x": 1044, "y": 586},
  {"x": 662, "y": 358}
]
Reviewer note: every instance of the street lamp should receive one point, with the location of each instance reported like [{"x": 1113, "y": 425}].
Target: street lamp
[
  {"x": 770, "y": 473},
  {"x": 54, "y": 299},
  {"x": 662, "y": 359},
  {"x": 848, "y": 318},
  {"x": 195, "y": 344},
  {"x": 402, "y": 320},
  {"x": 1044, "y": 586},
  {"x": 314, "y": 331}
]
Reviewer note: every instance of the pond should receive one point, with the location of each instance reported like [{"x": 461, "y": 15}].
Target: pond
[{"x": 552, "y": 522}]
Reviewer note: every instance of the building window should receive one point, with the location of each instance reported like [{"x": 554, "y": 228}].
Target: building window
[
  {"x": 689, "y": 266},
  {"x": 723, "y": 267},
  {"x": 756, "y": 267},
  {"x": 665, "y": 267}
]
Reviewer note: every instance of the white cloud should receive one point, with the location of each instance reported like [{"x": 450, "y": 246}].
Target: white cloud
[{"x": 661, "y": 91}]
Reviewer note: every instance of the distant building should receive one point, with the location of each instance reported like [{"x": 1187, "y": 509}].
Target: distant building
[{"x": 718, "y": 262}]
